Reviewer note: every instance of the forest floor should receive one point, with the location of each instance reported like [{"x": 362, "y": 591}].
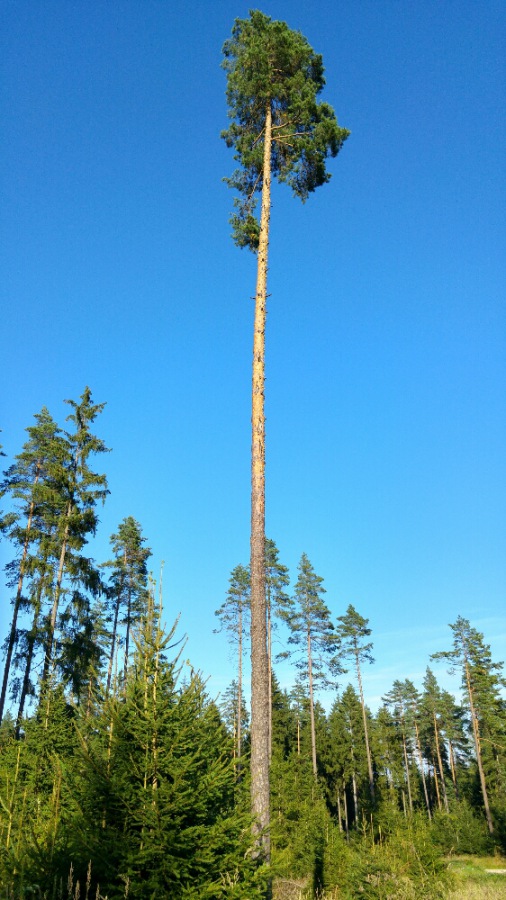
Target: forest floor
[
  {"x": 478, "y": 878},
  {"x": 475, "y": 878}
]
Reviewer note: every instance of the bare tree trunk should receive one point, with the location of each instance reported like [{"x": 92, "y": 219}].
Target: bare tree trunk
[
  {"x": 422, "y": 773},
  {"x": 239, "y": 696},
  {"x": 17, "y": 604},
  {"x": 355, "y": 795},
  {"x": 54, "y": 612},
  {"x": 345, "y": 799},
  {"x": 260, "y": 798},
  {"x": 114, "y": 636},
  {"x": 366, "y": 733},
  {"x": 406, "y": 764},
  {"x": 311, "y": 705},
  {"x": 269, "y": 659},
  {"x": 113, "y": 648},
  {"x": 353, "y": 779},
  {"x": 476, "y": 735},
  {"x": 127, "y": 638},
  {"x": 440, "y": 764},
  {"x": 32, "y": 634},
  {"x": 452, "y": 769}
]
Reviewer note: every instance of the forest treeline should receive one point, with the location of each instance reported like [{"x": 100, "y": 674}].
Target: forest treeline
[{"x": 121, "y": 777}]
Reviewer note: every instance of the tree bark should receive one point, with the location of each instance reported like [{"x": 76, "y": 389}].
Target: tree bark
[
  {"x": 366, "y": 733},
  {"x": 269, "y": 663},
  {"x": 32, "y": 637},
  {"x": 422, "y": 773},
  {"x": 127, "y": 635},
  {"x": 239, "y": 695},
  {"x": 476, "y": 735},
  {"x": 54, "y": 611},
  {"x": 311, "y": 705},
  {"x": 17, "y": 604},
  {"x": 260, "y": 798},
  {"x": 406, "y": 764},
  {"x": 452, "y": 768},
  {"x": 440, "y": 763}
]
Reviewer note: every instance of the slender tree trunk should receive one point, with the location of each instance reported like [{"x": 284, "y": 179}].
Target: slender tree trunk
[
  {"x": 260, "y": 798},
  {"x": 127, "y": 638},
  {"x": 355, "y": 795},
  {"x": 366, "y": 733},
  {"x": 422, "y": 773},
  {"x": 17, "y": 604},
  {"x": 353, "y": 777},
  {"x": 339, "y": 810},
  {"x": 345, "y": 799},
  {"x": 269, "y": 660},
  {"x": 54, "y": 612},
  {"x": 440, "y": 763},
  {"x": 476, "y": 735},
  {"x": 452, "y": 769},
  {"x": 406, "y": 764},
  {"x": 436, "y": 783},
  {"x": 311, "y": 704},
  {"x": 113, "y": 646},
  {"x": 239, "y": 696},
  {"x": 31, "y": 639}
]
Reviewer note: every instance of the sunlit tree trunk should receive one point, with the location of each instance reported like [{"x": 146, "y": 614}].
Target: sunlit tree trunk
[
  {"x": 311, "y": 704},
  {"x": 440, "y": 763},
  {"x": 422, "y": 772},
  {"x": 477, "y": 747},
  {"x": 366, "y": 731},
  {"x": 260, "y": 795}
]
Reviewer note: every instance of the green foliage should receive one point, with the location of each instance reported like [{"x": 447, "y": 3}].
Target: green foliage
[
  {"x": 460, "y": 831},
  {"x": 311, "y": 630},
  {"x": 145, "y": 781},
  {"x": 234, "y": 611},
  {"x": 269, "y": 65},
  {"x": 127, "y": 593},
  {"x": 299, "y": 819}
]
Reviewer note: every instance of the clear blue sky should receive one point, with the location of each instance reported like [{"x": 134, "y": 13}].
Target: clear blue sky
[{"x": 386, "y": 363}]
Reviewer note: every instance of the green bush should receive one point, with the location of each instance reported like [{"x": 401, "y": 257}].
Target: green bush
[{"x": 460, "y": 831}]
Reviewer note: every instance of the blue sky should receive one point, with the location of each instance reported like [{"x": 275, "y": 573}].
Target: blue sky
[{"x": 386, "y": 363}]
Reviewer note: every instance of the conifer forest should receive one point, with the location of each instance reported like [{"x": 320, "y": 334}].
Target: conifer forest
[{"x": 122, "y": 773}]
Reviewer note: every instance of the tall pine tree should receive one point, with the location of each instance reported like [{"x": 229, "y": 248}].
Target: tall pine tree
[{"x": 278, "y": 129}]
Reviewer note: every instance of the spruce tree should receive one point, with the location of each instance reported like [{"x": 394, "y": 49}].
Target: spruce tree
[
  {"x": 158, "y": 766},
  {"x": 349, "y": 770},
  {"x": 81, "y": 489},
  {"x": 128, "y": 588},
  {"x": 278, "y": 129}
]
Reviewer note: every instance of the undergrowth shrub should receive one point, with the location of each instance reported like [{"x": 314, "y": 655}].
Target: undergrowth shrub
[{"x": 460, "y": 831}]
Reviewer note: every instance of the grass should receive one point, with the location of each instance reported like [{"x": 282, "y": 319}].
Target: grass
[
  {"x": 471, "y": 881},
  {"x": 474, "y": 882}
]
